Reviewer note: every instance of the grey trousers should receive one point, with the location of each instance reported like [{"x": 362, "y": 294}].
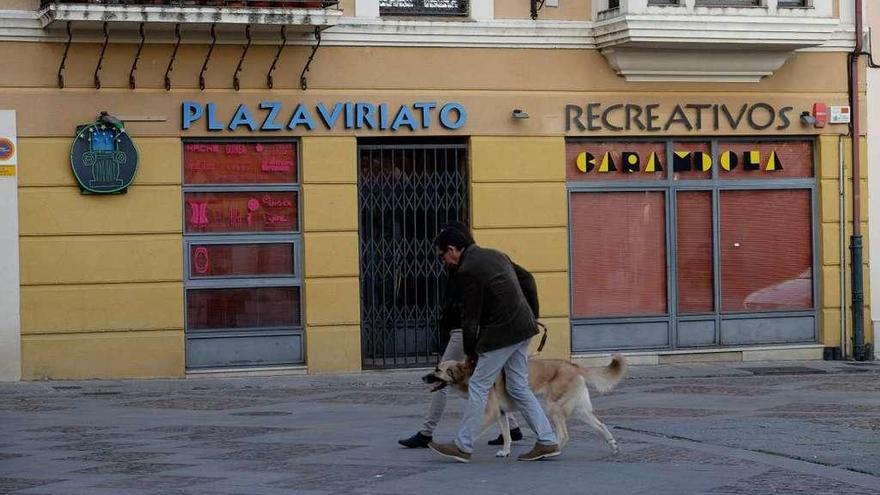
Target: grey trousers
[
  {"x": 514, "y": 360},
  {"x": 454, "y": 352}
]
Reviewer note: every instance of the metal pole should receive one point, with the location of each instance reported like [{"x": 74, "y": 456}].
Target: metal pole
[
  {"x": 841, "y": 191},
  {"x": 855, "y": 246}
]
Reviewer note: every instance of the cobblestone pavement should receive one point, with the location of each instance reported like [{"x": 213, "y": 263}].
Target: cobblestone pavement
[{"x": 719, "y": 429}]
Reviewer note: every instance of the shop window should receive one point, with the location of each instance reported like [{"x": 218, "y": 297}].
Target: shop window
[
  {"x": 618, "y": 253},
  {"x": 241, "y": 206},
  {"x": 691, "y": 160},
  {"x": 765, "y": 160},
  {"x": 242, "y": 260},
  {"x": 615, "y": 161},
  {"x": 766, "y": 250},
  {"x": 740, "y": 214},
  {"x": 694, "y": 253}
]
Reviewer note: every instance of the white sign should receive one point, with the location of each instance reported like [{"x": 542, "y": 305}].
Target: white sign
[
  {"x": 8, "y": 144},
  {"x": 10, "y": 321},
  {"x": 839, "y": 115}
]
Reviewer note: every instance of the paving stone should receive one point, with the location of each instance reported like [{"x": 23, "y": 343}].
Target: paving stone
[
  {"x": 785, "y": 482},
  {"x": 200, "y": 404},
  {"x": 710, "y": 390},
  {"x": 131, "y": 468},
  {"x": 9, "y": 485},
  {"x": 215, "y": 432},
  {"x": 339, "y": 477},
  {"x": 162, "y": 482}
]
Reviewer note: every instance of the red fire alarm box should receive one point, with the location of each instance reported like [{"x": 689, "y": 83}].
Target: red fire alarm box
[{"x": 820, "y": 112}]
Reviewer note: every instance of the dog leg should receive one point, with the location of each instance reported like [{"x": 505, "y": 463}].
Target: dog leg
[
  {"x": 504, "y": 426},
  {"x": 593, "y": 421}
]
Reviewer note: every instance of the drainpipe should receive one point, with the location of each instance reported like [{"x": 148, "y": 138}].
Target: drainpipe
[
  {"x": 841, "y": 195},
  {"x": 855, "y": 246}
]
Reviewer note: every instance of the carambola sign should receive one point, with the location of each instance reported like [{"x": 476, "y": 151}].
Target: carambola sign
[{"x": 682, "y": 161}]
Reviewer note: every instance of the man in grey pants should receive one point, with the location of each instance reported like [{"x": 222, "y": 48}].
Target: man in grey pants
[
  {"x": 450, "y": 322},
  {"x": 497, "y": 324}
]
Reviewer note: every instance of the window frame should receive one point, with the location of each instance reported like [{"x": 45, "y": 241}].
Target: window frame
[{"x": 715, "y": 185}]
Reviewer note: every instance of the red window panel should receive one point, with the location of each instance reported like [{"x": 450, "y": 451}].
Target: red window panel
[
  {"x": 258, "y": 307},
  {"x": 765, "y": 160},
  {"x": 694, "y": 256},
  {"x": 619, "y": 253},
  {"x": 223, "y": 212},
  {"x": 615, "y": 161},
  {"x": 766, "y": 250},
  {"x": 241, "y": 260},
  {"x": 691, "y": 161},
  {"x": 239, "y": 163}
]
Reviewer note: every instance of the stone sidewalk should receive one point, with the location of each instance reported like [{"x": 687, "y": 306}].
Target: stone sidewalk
[{"x": 719, "y": 429}]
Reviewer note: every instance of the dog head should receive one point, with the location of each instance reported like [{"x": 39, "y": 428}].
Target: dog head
[{"x": 450, "y": 373}]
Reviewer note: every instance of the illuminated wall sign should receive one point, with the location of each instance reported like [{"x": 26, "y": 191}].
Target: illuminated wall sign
[
  {"x": 682, "y": 161},
  {"x": 683, "y": 117},
  {"x": 273, "y": 116}
]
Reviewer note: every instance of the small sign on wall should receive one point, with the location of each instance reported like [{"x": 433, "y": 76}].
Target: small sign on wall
[
  {"x": 839, "y": 115},
  {"x": 8, "y": 144},
  {"x": 103, "y": 157}
]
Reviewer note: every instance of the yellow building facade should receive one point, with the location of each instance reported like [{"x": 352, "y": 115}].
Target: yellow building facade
[{"x": 108, "y": 282}]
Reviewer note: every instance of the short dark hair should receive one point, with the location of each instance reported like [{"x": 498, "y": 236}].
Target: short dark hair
[{"x": 455, "y": 234}]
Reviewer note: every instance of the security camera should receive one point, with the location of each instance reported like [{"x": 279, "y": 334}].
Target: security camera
[
  {"x": 519, "y": 114},
  {"x": 807, "y": 119}
]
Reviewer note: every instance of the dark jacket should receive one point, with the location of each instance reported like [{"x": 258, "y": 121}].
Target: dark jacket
[{"x": 499, "y": 300}]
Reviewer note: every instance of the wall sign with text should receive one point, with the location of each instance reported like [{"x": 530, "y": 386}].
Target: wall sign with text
[
  {"x": 348, "y": 115},
  {"x": 682, "y": 117},
  {"x": 655, "y": 160}
]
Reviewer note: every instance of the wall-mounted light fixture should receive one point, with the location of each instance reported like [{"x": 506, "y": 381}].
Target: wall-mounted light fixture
[{"x": 519, "y": 114}]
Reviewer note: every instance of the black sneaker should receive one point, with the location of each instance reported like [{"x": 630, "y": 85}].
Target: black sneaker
[
  {"x": 417, "y": 441},
  {"x": 515, "y": 434}
]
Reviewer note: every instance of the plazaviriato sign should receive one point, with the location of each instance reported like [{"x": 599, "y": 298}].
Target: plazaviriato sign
[{"x": 348, "y": 115}]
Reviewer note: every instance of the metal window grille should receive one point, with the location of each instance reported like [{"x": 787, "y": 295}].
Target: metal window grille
[
  {"x": 424, "y": 7},
  {"x": 405, "y": 194}
]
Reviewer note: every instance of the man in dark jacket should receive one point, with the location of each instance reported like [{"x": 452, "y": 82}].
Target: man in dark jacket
[
  {"x": 497, "y": 324},
  {"x": 450, "y": 328}
]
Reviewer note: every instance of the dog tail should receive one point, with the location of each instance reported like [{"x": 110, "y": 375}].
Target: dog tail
[{"x": 606, "y": 378}]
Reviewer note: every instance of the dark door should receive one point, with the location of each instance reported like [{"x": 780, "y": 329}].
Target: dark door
[{"x": 406, "y": 193}]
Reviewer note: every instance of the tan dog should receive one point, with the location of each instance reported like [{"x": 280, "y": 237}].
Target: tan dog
[{"x": 562, "y": 384}]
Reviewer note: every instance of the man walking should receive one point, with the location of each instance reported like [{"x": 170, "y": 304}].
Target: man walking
[
  {"x": 497, "y": 324},
  {"x": 450, "y": 326}
]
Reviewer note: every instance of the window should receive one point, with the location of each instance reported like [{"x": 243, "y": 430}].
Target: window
[
  {"x": 424, "y": 7},
  {"x": 688, "y": 242},
  {"x": 242, "y": 253},
  {"x": 793, "y": 3}
]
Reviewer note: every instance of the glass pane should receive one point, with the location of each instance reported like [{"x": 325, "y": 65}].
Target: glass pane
[
  {"x": 241, "y": 212},
  {"x": 263, "y": 307},
  {"x": 765, "y": 160},
  {"x": 619, "y": 253},
  {"x": 239, "y": 163},
  {"x": 236, "y": 260},
  {"x": 694, "y": 257},
  {"x": 613, "y": 160},
  {"x": 766, "y": 250},
  {"x": 691, "y": 161}
]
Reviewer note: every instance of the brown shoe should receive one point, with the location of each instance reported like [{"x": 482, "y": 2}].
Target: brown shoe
[
  {"x": 540, "y": 451},
  {"x": 451, "y": 451}
]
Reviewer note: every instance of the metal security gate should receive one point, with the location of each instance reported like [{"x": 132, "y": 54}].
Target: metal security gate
[{"x": 406, "y": 193}]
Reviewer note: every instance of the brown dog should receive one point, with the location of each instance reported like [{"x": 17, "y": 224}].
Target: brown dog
[{"x": 562, "y": 384}]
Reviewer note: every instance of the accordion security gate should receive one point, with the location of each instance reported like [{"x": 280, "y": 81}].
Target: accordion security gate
[{"x": 405, "y": 194}]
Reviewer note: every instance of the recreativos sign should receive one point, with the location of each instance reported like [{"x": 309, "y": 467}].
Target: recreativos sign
[
  {"x": 682, "y": 117},
  {"x": 103, "y": 157},
  {"x": 273, "y": 116}
]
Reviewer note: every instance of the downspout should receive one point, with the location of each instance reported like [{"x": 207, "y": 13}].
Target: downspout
[
  {"x": 841, "y": 194},
  {"x": 855, "y": 246}
]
